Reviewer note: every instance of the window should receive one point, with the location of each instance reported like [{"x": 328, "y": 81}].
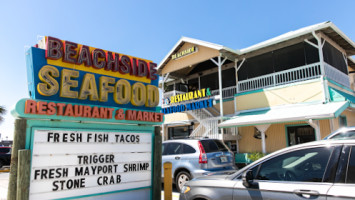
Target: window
[
  {"x": 213, "y": 146},
  {"x": 300, "y": 134},
  {"x": 307, "y": 165},
  {"x": 342, "y": 121},
  {"x": 228, "y": 78},
  {"x": 187, "y": 149},
  {"x": 173, "y": 149},
  {"x": 210, "y": 81},
  {"x": 334, "y": 57},
  {"x": 179, "y": 132},
  {"x": 350, "y": 175}
]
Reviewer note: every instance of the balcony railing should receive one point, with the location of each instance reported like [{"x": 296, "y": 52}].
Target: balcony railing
[
  {"x": 281, "y": 78},
  {"x": 302, "y": 73}
]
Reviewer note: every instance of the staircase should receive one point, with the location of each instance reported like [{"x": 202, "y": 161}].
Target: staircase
[{"x": 208, "y": 126}]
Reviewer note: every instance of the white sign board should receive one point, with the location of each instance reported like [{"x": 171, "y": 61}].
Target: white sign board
[{"x": 76, "y": 163}]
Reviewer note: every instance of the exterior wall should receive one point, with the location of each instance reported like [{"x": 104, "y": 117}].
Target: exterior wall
[
  {"x": 228, "y": 107},
  {"x": 350, "y": 117},
  {"x": 176, "y": 117},
  {"x": 202, "y": 54},
  {"x": 305, "y": 92},
  {"x": 276, "y": 137}
]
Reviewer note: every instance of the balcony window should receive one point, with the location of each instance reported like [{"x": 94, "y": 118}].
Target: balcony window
[{"x": 334, "y": 57}]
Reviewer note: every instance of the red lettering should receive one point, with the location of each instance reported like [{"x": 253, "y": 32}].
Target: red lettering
[
  {"x": 95, "y": 112},
  {"x": 152, "y": 74},
  {"x": 51, "y": 108},
  {"x": 110, "y": 111},
  {"x": 134, "y": 64},
  {"x": 151, "y": 117},
  {"x": 69, "y": 111},
  {"x": 98, "y": 63},
  {"x": 145, "y": 116},
  {"x": 112, "y": 62},
  {"x": 87, "y": 111},
  {"x": 30, "y": 107},
  {"x": 78, "y": 110},
  {"x": 53, "y": 48},
  {"x": 131, "y": 115},
  {"x": 125, "y": 65},
  {"x": 142, "y": 69},
  {"x": 139, "y": 116},
  {"x": 103, "y": 113},
  {"x": 41, "y": 107},
  {"x": 70, "y": 52},
  {"x": 84, "y": 56},
  {"x": 60, "y": 107}
]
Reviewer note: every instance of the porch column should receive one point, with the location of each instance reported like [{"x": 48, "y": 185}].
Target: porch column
[
  {"x": 219, "y": 64},
  {"x": 320, "y": 45},
  {"x": 315, "y": 125},
  {"x": 262, "y": 129}
]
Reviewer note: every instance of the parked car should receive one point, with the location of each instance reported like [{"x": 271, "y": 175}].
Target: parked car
[
  {"x": 193, "y": 158},
  {"x": 5, "y": 156},
  {"x": 315, "y": 170},
  {"x": 342, "y": 133}
]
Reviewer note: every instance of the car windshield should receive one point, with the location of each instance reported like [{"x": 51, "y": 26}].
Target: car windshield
[
  {"x": 344, "y": 135},
  {"x": 213, "y": 146}
]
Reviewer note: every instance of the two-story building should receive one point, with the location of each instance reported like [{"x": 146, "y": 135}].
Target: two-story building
[{"x": 291, "y": 89}]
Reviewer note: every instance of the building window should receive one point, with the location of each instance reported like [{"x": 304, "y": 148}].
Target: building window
[
  {"x": 179, "y": 132},
  {"x": 342, "y": 121},
  {"x": 300, "y": 134}
]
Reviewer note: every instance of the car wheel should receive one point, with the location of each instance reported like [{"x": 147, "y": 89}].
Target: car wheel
[{"x": 181, "y": 179}]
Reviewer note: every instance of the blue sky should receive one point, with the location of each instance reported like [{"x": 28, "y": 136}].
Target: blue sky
[{"x": 149, "y": 29}]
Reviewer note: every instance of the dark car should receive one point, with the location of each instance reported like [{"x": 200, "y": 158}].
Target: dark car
[
  {"x": 315, "y": 170},
  {"x": 5, "y": 156}
]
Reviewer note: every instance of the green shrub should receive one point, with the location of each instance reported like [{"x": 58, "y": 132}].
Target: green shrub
[{"x": 255, "y": 156}]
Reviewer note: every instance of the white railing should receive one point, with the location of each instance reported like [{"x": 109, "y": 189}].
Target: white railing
[
  {"x": 172, "y": 93},
  {"x": 226, "y": 92},
  {"x": 336, "y": 75},
  {"x": 281, "y": 78}
]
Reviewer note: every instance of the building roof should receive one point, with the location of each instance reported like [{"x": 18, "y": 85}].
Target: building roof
[
  {"x": 184, "y": 40},
  {"x": 327, "y": 28}
]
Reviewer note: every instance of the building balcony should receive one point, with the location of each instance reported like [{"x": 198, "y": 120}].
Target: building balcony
[{"x": 303, "y": 73}]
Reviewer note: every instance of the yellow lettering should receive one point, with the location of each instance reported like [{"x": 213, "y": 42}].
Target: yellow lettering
[
  {"x": 105, "y": 88},
  {"x": 122, "y": 94},
  {"x": 49, "y": 86},
  {"x": 139, "y": 94},
  {"x": 67, "y": 83},
  {"x": 152, "y": 96},
  {"x": 89, "y": 88}
]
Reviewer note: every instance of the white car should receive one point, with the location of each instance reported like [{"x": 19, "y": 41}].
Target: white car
[{"x": 342, "y": 134}]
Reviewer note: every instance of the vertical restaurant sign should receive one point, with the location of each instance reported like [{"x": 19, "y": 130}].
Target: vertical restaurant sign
[
  {"x": 72, "y": 164},
  {"x": 65, "y": 71}
]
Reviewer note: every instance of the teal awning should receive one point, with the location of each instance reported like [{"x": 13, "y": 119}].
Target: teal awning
[
  {"x": 337, "y": 95},
  {"x": 288, "y": 113}
]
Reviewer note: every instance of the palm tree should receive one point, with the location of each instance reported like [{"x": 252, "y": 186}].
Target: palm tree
[{"x": 2, "y": 112}]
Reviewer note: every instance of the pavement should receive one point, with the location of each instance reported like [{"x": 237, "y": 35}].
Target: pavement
[{"x": 4, "y": 181}]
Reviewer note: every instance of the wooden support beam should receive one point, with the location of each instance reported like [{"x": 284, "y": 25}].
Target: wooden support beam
[
  {"x": 19, "y": 143},
  {"x": 157, "y": 163},
  {"x": 23, "y": 178}
]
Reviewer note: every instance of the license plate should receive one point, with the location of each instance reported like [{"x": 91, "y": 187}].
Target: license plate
[{"x": 224, "y": 159}]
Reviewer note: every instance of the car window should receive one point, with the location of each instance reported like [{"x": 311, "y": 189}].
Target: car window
[
  {"x": 307, "y": 165},
  {"x": 188, "y": 149},
  {"x": 5, "y": 150},
  {"x": 163, "y": 148},
  {"x": 345, "y": 135},
  {"x": 350, "y": 175},
  {"x": 173, "y": 148},
  {"x": 213, "y": 146}
]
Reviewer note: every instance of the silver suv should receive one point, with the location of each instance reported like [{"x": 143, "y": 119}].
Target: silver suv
[
  {"x": 193, "y": 158},
  {"x": 342, "y": 134},
  {"x": 314, "y": 170}
]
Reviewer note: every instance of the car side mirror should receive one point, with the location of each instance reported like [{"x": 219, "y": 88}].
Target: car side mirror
[{"x": 247, "y": 178}]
